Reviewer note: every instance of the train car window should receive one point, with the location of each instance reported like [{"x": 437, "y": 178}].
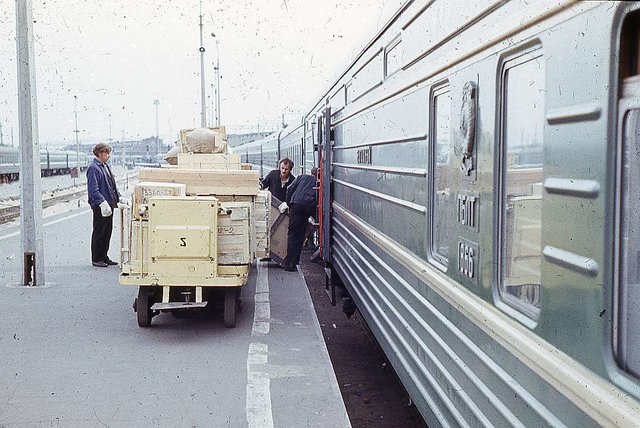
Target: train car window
[
  {"x": 369, "y": 76},
  {"x": 626, "y": 340},
  {"x": 393, "y": 57},
  {"x": 338, "y": 100},
  {"x": 441, "y": 206},
  {"x": 521, "y": 173}
]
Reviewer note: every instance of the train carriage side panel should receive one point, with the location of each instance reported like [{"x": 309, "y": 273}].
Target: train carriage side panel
[{"x": 463, "y": 339}]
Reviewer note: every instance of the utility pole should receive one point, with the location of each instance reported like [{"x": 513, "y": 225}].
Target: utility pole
[
  {"x": 31, "y": 229},
  {"x": 124, "y": 152},
  {"x": 214, "y": 113},
  {"x": 203, "y": 113},
  {"x": 110, "y": 139},
  {"x": 216, "y": 68},
  {"x": 75, "y": 113},
  {"x": 156, "y": 103}
]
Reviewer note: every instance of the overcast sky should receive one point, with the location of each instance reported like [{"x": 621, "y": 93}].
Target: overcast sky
[{"x": 117, "y": 56}]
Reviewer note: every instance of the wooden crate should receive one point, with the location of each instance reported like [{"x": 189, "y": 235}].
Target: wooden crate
[
  {"x": 279, "y": 227},
  {"x": 234, "y": 237},
  {"x": 227, "y": 161},
  {"x": 145, "y": 190},
  {"x": 261, "y": 223},
  {"x": 206, "y": 182}
]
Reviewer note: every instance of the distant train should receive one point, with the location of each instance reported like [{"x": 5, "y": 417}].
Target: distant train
[
  {"x": 265, "y": 153},
  {"x": 480, "y": 201},
  {"x": 52, "y": 162}
]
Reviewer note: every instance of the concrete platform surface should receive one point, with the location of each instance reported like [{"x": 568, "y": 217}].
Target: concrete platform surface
[{"x": 71, "y": 353}]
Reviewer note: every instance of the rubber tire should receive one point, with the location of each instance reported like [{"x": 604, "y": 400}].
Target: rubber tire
[
  {"x": 143, "y": 307},
  {"x": 230, "y": 307}
]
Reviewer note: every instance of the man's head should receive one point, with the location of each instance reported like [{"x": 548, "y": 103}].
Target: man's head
[
  {"x": 314, "y": 172},
  {"x": 102, "y": 152},
  {"x": 285, "y": 165}
]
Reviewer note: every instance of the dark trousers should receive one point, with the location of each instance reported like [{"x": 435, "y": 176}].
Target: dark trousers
[
  {"x": 298, "y": 221},
  {"x": 102, "y": 227}
]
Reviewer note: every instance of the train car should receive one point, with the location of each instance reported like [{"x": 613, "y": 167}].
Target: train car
[
  {"x": 292, "y": 147},
  {"x": 73, "y": 159},
  {"x": 52, "y": 162},
  {"x": 480, "y": 176},
  {"x": 265, "y": 153},
  {"x": 9, "y": 168}
]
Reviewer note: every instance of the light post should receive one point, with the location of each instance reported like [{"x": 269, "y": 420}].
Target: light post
[
  {"x": 214, "y": 113},
  {"x": 31, "y": 228},
  {"x": 110, "y": 139},
  {"x": 124, "y": 151},
  {"x": 75, "y": 114},
  {"x": 156, "y": 103},
  {"x": 216, "y": 68},
  {"x": 203, "y": 113}
]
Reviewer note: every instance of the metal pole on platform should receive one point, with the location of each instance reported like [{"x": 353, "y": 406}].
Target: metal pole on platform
[
  {"x": 216, "y": 68},
  {"x": 31, "y": 233},
  {"x": 156, "y": 103},
  {"x": 203, "y": 113},
  {"x": 214, "y": 113},
  {"x": 75, "y": 114},
  {"x": 124, "y": 150},
  {"x": 110, "y": 139}
]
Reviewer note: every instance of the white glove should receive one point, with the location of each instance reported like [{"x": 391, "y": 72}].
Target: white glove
[
  {"x": 283, "y": 207},
  {"x": 123, "y": 203},
  {"x": 105, "y": 209}
]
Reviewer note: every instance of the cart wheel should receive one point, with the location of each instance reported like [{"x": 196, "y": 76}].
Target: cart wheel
[
  {"x": 230, "y": 308},
  {"x": 143, "y": 307}
]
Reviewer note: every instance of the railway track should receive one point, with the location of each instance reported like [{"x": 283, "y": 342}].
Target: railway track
[{"x": 11, "y": 212}]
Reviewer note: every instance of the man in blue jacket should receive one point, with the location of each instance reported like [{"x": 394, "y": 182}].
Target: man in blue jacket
[
  {"x": 301, "y": 201},
  {"x": 103, "y": 198}
]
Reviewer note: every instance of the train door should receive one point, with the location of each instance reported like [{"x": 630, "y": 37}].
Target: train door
[
  {"x": 324, "y": 194},
  {"x": 626, "y": 297}
]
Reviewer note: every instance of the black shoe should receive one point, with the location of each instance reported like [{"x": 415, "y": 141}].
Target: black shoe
[
  {"x": 99, "y": 264},
  {"x": 290, "y": 268},
  {"x": 110, "y": 262}
]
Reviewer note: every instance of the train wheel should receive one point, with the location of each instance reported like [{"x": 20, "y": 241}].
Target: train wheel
[
  {"x": 143, "y": 306},
  {"x": 230, "y": 296}
]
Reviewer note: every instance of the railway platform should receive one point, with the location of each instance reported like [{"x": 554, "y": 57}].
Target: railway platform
[{"x": 73, "y": 355}]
